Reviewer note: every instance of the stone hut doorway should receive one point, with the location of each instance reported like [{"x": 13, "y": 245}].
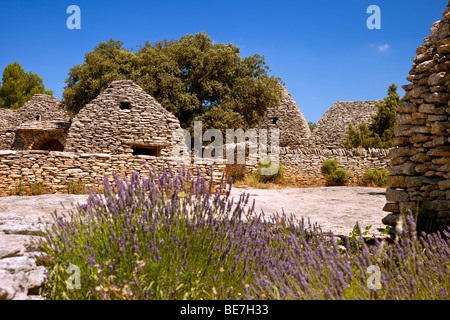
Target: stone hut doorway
[{"x": 49, "y": 145}]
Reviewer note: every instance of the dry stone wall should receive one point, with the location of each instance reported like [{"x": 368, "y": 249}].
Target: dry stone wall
[
  {"x": 8, "y": 122},
  {"x": 305, "y": 163},
  {"x": 420, "y": 168},
  {"x": 121, "y": 117},
  {"x": 57, "y": 169},
  {"x": 332, "y": 128}
]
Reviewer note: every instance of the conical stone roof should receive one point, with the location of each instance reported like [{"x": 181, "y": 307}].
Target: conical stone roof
[
  {"x": 121, "y": 117},
  {"x": 288, "y": 118}
]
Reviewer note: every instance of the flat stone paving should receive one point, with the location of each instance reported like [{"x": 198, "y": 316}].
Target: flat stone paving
[
  {"x": 335, "y": 209},
  {"x": 23, "y": 218}
]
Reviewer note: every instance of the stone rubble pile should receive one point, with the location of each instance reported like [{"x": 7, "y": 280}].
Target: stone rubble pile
[
  {"x": 420, "y": 166},
  {"x": 20, "y": 277}
]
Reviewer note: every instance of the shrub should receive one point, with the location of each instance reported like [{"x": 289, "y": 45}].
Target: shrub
[
  {"x": 272, "y": 175},
  {"x": 339, "y": 176},
  {"x": 19, "y": 189},
  {"x": 335, "y": 175},
  {"x": 376, "y": 176},
  {"x": 38, "y": 188},
  {"x": 329, "y": 166},
  {"x": 77, "y": 187},
  {"x": 236, "y": 171}
]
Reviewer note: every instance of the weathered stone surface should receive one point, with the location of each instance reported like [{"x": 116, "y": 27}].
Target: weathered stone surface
[
  {"x": 396, "y": 181},
  {"x": 12, "y": 285},
  {"x": 36, "y": 280},
  {"x": 10, "y": 248},
  {"x": 407, "y": 168},
  {"x": 20, "y": 278},
  {"x": 396, "y": 195},
  {"x": 443, "y": 151},
  {"x": 391, "y": 219},
  {"x": 287, "y": 117}
]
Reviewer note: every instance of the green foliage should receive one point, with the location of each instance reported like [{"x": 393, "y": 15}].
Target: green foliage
[
  {"x": 106, "y": 63},
  {"x": 19, "y": 189},
  {"x": 192, "y": 77},
  {"x": 33, "y": 189},
  {"x": 381, "y": 130},
  {"x": 335, "y": 175},
  {"x": 376, "y": 176},
  {"x": 37, "y": 189},
  {"x": 312, "y": 126},
  {"x": 77, "y": 187},
  {"x": 362, "y": 137},
  {"x": 340, "y": 176},
  {"x": 330, "y": 166},
  {"x": 18, "y": 86},
  {"x": 276, "y": 174}
]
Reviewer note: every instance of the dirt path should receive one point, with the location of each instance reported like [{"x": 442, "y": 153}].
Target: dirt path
[{"x": 334, "y": 208}]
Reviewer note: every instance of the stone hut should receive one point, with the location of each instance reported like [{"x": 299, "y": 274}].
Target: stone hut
[
  {"x": 332, "y": 128},
  {"x": 40, "y": 124},
  {"x": 288, "y": 118},
  {"x": 123, "y": 119},
  {"x": 420, "y": 166}
]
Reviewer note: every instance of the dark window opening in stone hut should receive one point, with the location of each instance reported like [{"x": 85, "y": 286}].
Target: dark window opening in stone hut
[
  {"x": 38, "y": 118},
  {"x": 146, "y": 151},
  {"x": 274, "y": 120},
  {"x": 125, "y": 105},
  {"x": 50, "y": 145}
]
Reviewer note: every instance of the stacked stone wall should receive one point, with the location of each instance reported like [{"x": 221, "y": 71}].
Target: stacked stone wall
[
  {"x": 420, "y": 168},
  {"x": 57, "y": 169},
  {"x": 305, "y": 163}
]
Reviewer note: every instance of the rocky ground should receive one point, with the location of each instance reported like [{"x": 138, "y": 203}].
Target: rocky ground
[{"x": 23, "y": 219}]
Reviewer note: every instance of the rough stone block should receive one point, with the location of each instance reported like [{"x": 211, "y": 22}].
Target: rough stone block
[{"x": 396, "y": 195}]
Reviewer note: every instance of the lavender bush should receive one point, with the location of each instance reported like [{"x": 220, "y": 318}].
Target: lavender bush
[{"x": 173, "y": 236}]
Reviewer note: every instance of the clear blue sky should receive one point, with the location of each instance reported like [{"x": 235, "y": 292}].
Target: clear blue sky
[{"x": 321, "y": 49}]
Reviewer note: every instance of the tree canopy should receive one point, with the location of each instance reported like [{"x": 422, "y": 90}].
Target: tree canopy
[
  {"x": 18, "y": 86},
  {"x": 380, "y": 132},
  {"x": 192, "y": 77}
]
